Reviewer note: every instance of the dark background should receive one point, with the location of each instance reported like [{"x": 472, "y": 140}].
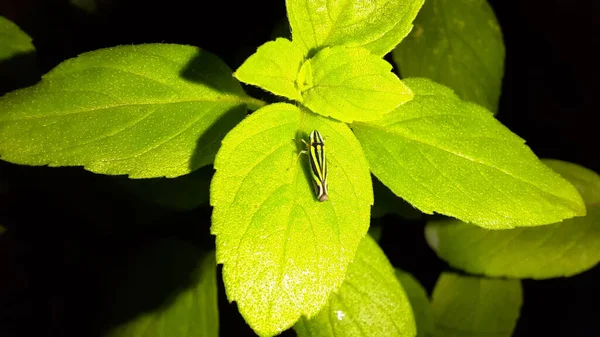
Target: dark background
[{"x": 69, "y": 230}]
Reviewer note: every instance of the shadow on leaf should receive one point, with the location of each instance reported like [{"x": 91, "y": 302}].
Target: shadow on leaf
[
  {"x": 207, "y": 69},
  {"x": 209, "y": 143}
]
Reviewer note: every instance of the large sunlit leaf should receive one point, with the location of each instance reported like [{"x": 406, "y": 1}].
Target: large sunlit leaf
[
  {"x": 419, "y": 301},
  {"x": 465, "y": 306},
  {"x": 274, "y": 67},
  {"x": 377, "y": 26},
  {"x": 560, "y": 249},
  {"x": 457, "y": 43},
  {"x": 452, "y": 157},
  {"x": 147, "y": 111},
  {"x": 350, "y": 85},
  {"x": 187, "y": 281},
  {"x": 284, "y": 252},
  {"x": 370, "y": 302}
]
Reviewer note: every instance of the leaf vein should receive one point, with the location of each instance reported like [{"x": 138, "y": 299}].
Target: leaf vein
[
  {"x": 101, "y": 108},
  {"x": 400, "y": 166},
  {"x": 465, "y": 157},
  {"x": 154, "y": 147},
  {"x": 106, "y": 136},
  {"x": 455, "y": 183}
]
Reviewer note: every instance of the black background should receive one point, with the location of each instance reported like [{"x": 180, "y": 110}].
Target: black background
[{"x": 68, "y": 228}]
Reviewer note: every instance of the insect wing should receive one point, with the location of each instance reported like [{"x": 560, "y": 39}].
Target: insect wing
[{"x": 318, "y": 164}]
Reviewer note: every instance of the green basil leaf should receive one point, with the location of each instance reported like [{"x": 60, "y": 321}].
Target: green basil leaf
[
  {"x": 274, "y": 67},
  {"x": 419, "y": 302},
  {"x": 18, "y": 66},
  {"x": 377, "y": 26},
  {"x": 284, "y": 252},
  {"x": 465, "y": 306},
  {"x": 561, "y": 249},
  {"x": 370, "y": 302},
  {"x": 457, "y": 43},
  {"x": 350, "y": 85},
  {"x": 445, "y": 155},
  {"x": 147, "y": 111}
]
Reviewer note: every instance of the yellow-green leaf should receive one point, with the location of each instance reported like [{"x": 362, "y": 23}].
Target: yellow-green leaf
[
  {"x": 350, "y": 85},
  {"x": 148, "y": 111},
  {"x": 284, "y": 252},
  {"x": 18, "y": 66},
  {"x": 560, "y": 249},
  {"x": 448, "y": 156},
  {"x": 466, "y": 306},
  {"x": 13, "y": 41},
  {"x": 371, "y": 301},
  {"x": 457, "y": 43},
  {"x": 419, "y": 301},
  {"x": 274, "y": 67},
  {"x": 377, "y": 26}
]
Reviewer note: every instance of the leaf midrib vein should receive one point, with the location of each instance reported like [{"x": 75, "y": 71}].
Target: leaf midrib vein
[
  {"x": 423, "y": 142},
  {"x": 101, "y": 108},
  {"x": 458, "y": 185},
  {"x": 158, "y": 145}
]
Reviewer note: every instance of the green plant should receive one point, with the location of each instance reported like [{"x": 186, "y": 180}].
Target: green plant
[{"x": 164, "y": 110}]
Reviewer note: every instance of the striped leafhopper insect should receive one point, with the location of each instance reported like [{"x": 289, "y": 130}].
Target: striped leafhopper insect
[{"x": 315, "y": 149}]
